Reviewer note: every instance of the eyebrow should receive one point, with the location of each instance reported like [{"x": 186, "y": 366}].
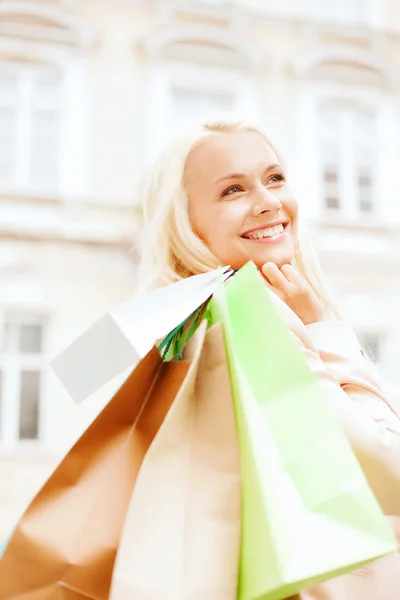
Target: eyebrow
[{"x": 243, "y": 175}]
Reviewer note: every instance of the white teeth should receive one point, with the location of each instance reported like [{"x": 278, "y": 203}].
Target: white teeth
[
  {"x": 271, "y": 231},
  {"x": 268, "y": 232}
]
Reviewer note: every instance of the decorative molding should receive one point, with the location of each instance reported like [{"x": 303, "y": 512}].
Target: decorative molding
[
  {"x": 39, "y": 52},
  {"x": 225, "y": 10},
  {"x": 307, "y": 60},
  {"x": 81, "y": 34},
  {"x": 157, "y": 41}
]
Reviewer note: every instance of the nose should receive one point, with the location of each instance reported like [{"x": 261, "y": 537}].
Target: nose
[{"x": 265, "y": 201}]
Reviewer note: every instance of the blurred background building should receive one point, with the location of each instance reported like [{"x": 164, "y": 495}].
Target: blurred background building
[{"x": 90, "y": 90}]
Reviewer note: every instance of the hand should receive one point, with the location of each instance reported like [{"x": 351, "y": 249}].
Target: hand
[{"x": 295, "y": 291}]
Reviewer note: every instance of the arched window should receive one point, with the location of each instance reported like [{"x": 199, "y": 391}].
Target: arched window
[
  {"x": 40, "y": 91},
  {"x": 348, "y": 149},
  {"x": 196, "y": 75},
  {"x": 345, "y": 141}
]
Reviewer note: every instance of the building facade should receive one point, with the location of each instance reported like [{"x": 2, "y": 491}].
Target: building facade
[{"x": 91, "y": 90}]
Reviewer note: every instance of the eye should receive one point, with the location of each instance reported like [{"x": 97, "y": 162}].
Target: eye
[
  {"x": 234, "y": 189},
  {"x": 276, "y": 178}
]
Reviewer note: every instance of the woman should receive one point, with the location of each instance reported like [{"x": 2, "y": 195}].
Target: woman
[{"x": 220, "y": 197}]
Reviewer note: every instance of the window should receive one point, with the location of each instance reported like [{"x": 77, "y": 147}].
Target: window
[
  {"x": 30, "y": 121},
  {"x": 348, "y": 137},
  {"x": 197, "y": 74},
  {"x": 21, "y": 367}
]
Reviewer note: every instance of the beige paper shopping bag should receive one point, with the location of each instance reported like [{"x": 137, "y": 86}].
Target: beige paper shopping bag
[{"x": 181, "y": 538}]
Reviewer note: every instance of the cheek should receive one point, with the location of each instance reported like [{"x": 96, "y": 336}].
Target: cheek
[
  {"x": 291, "y": 207},
  {"x": 216, "y": 224},
  {"x": 226, "y": 223},
  {"x": 198, "y": 222}
]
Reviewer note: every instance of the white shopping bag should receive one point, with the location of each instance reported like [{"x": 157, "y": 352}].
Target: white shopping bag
[{"x": 127, "y": 332}]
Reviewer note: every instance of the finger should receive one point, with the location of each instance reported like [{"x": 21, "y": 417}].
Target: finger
[
  {"x": 276, "y": 277},
  {"x": 293, "y": 276},
  {"x": 274, "y": 290}
]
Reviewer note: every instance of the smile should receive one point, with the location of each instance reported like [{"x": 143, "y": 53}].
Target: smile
[{"x": 270, "y": 232}]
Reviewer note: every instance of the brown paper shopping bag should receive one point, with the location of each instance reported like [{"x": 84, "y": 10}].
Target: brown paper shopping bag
[
  {"x": 65, "y": 545},
  {"x": 181, "y": 538}
]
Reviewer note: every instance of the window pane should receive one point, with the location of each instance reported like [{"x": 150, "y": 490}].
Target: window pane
[
  {"x": 47, "y": 90},
  {"x": 9, "y": 94},
  {"x": 331, "y": 175},
  {"x": 10, "y": 333},
  {"x": 30, "y": 339},
  {"x": 20, "y": 337},
  {"x": 45, "y": 150},
  {"x": 8, "y": 130},
  {"x": 29, "y": 405},
  {"x": 46, "y": 104},
  {"x": 365, "y": 191},
  {"x": 331, "y": 129},
  {"x": 364, "y": 124},
  {"x": 331, "y": 117},
  {"x": 364, "y": 156},
  {"x": 9, "y": 82},
  {"x": 331, "y": 188}
]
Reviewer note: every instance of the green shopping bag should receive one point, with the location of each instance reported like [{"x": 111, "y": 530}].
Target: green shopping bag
[{"x": 308, "y": 512}]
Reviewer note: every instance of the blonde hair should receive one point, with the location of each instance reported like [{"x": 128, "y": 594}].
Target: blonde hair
[{"x": 171, "y": 251}]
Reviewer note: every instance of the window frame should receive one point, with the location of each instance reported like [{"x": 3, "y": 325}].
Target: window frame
[
  {"x": 306, "y": 163},
  {"x": 348, "y": 167},
  {"x": 12, "y": 365},
  {"x": 75, "y": 113}
]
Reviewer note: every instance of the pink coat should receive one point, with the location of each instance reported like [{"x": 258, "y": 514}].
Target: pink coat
[{"x": 371, "y": 421}]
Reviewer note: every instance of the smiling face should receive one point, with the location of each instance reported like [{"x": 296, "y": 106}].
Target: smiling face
[{"x": 239, "y": 201}]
